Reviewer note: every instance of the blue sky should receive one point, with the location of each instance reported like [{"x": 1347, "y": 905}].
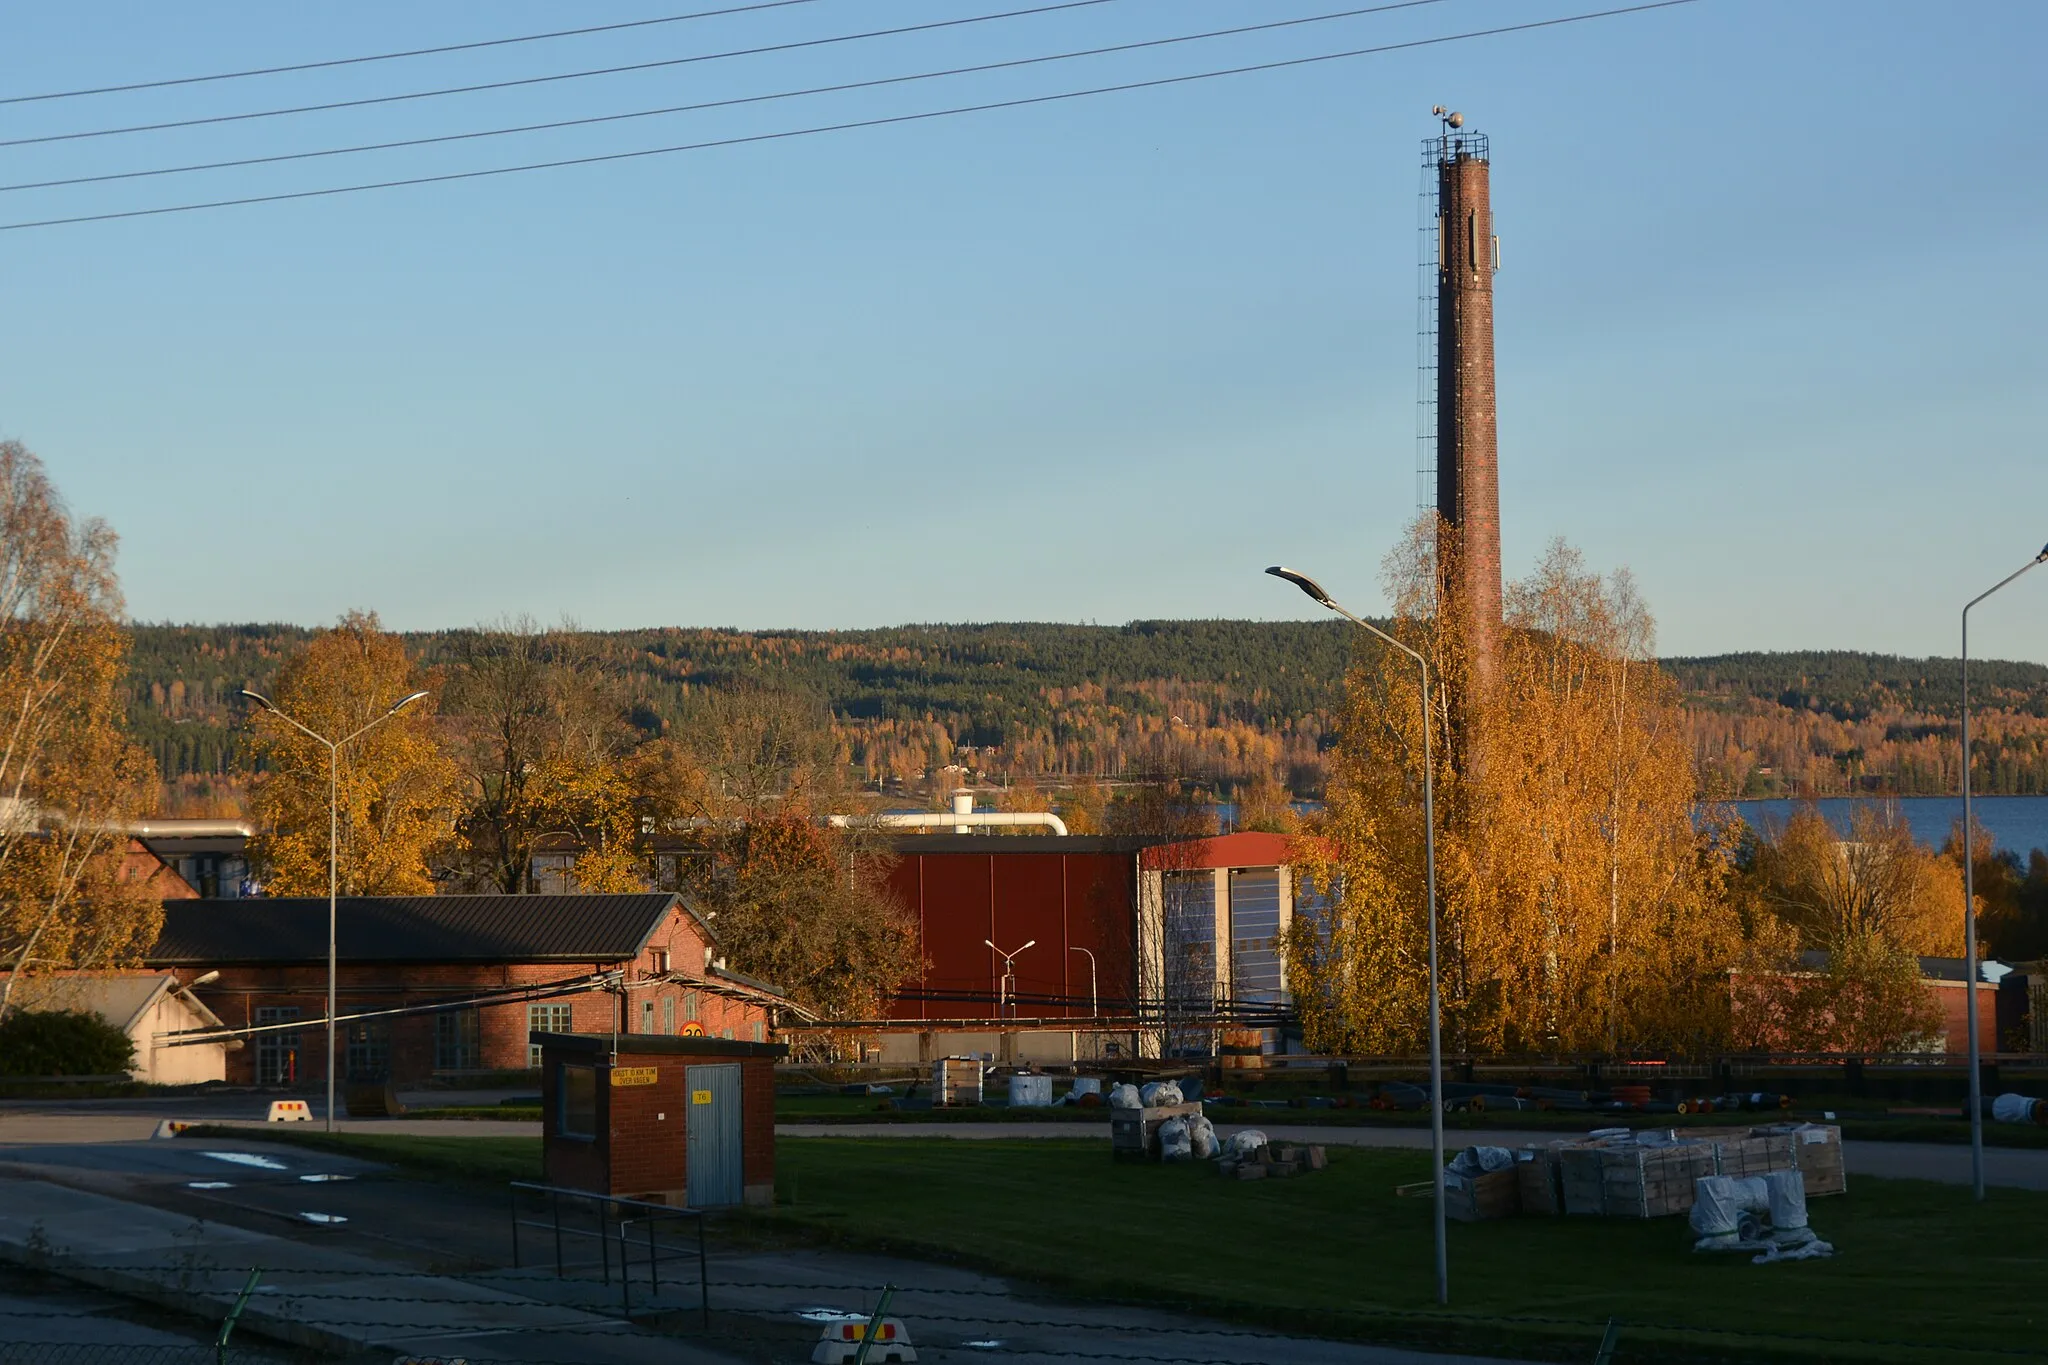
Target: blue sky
[{"x": 1768, "y": 318}]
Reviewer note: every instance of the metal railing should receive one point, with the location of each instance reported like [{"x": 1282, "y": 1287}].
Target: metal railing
[{"x": 611, "y": 1220}]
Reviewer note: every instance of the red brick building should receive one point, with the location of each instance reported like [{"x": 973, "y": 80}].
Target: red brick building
[
  {"x": 447, "y": 986},
  {"x": 675, "y": 1120}
]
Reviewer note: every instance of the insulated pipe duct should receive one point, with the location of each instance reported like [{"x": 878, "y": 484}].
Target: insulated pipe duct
[
  {"x": 958, "y": 823},
  {"x": 190, "y": 829}
]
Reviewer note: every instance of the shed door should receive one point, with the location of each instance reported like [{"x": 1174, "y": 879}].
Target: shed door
[{"x": 714, "y": 1135}]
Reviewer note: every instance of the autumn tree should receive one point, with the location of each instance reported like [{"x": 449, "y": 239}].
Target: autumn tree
[
  {"x": 537, "y": 733},
  {"x": 1879, "y": 883},
  {"x": 70, "y": 781},
  {"x": 1581, "y": 905},
  {"x": 795, "y": 899},
  {"x": 397, "y": 789}
]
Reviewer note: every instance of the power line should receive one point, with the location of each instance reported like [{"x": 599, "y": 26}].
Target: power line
[
  {"x": 717, "y": 104},
  {"x": 849, "y": 126},
  {"x": 558, "y": 76},
  {"x": 394, "y": 56}
]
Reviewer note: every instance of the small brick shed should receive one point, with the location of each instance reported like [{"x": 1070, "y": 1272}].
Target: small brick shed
[{"x": 678, "y": 1120}]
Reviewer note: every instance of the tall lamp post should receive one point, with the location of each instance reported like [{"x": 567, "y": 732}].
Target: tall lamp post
[
  {"x": 1971, "y": 972},
  {"x": 334, "y": 747},
  {"x": 1006, "y": 992},
  {"x": 1094, "y": 993},
  {"x": 1436, "y": 1051}
]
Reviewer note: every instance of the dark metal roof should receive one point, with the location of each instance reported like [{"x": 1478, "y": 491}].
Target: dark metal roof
[{"x": 267, "y": 930}]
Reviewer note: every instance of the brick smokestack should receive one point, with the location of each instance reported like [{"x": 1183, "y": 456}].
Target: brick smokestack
[{"x": 1468, "y": 451}]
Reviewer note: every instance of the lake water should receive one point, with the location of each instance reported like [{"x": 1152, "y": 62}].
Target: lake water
[{"x": 2019, "y": 823}]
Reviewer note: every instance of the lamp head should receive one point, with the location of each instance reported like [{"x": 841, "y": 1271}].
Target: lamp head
[
  {"x": 1305, "y": 583},
  {"x": 1032, "y": 944},
  {"x": 2043, "y": 556},
  {"x": 259, "y": 699},
  {"x": 992, "y": 947},
  {"x": 404, "y": 702},
  {"x": 205, "y": 979}
]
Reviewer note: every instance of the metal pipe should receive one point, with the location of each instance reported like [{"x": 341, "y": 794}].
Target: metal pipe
[
  {"x": 1971, "y": 972},
  {"x": 955, "y": 820}
]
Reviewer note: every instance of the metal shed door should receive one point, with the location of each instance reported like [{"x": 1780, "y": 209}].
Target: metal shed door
[{"x": 713, "y": 1151}]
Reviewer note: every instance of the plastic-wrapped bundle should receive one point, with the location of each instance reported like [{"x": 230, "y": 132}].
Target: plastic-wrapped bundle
[
  {"x": 1787, "y": 1191},
  {"x": 1174, "y": 1142},
  {"x": 1726, "y": 1212},
  {"x": 1124, "y": 1097},
  {"x": 1715, "y": 1212},
  {"x": 2019, "y": 1109},
  {"x": 1202, "y": 1136},
  {"x": 1244, "y": 1144},
  {"x": 1161, "y": 1093},
  {"x": 1481, "y": 1160}
]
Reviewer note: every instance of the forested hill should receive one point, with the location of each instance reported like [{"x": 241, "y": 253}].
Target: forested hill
[
  {"x": 1229, "y": 699},
  {"x": 1225, "y": 700}
]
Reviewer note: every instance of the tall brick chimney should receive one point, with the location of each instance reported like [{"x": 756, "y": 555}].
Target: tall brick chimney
[{"x": 1467, "y": 447}]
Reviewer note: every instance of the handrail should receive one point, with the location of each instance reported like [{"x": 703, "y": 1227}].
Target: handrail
[{"x": 652, "y": 1214}]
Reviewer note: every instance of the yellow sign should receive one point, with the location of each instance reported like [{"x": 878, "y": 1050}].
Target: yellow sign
[
  {"x": 700, "y": 1097},
  {"x": 693, "y": 1030},
  {"x": 635, "y": 1075}
]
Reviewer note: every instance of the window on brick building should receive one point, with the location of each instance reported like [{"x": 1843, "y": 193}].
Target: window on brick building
[
  {"x": 690, "y": 1006},
  {"x": 456, "y": 1041},
  {"x": 660, "y": 960},
  {"x": 577, "y": 1093},
  {"x": 546, "y": 1019},
  {"x": 647, "y": 1016},
  {"x": 369, "y": 1050},
  {"x": 668, "y": 1014},
  {"x": 760, "y": 1032},
  {"x": 277, "y": 1054}
]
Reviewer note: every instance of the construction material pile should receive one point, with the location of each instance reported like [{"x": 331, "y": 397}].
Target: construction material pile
[
  {"x": 1761, "y": 1214},
  {"x": 1647, "y": 1173}
]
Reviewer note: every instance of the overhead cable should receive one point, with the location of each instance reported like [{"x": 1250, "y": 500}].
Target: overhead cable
[
  {"x": 714, "y": 104},
  {"x": 1019, "y": 103},
  {"x": 394, "y": 56},
  {"x": 554, "y": 77}
]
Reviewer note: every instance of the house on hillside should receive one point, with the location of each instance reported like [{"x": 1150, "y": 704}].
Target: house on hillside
[{"x": 450, "y": 986}]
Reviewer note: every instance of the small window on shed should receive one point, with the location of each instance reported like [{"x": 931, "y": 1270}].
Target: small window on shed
[{"x": 579, "y": 1101}]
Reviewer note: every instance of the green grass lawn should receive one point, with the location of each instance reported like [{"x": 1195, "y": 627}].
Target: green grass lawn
[{"x": 1337, "y": 1253}]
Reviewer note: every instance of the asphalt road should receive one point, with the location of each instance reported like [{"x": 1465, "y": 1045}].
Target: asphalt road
[{"x": 102, "y": 1121}]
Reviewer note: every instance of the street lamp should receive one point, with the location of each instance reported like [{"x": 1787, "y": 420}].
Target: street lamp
[
  {"x": 333, "y": 844},
  {"x": 1094, "y": 995},
  {"x": 1436, "y": 1051},
  {"x": 1971, "y": 972},
  {"x": 1007, "y": 990}
]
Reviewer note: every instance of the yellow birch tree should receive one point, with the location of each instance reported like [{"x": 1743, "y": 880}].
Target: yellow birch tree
[
  {"x": 397, "y": 788},
  {"x": 70, "y": 781}
]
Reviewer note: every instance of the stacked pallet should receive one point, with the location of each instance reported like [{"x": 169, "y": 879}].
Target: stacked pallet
[{"x": 1631, "y": 1179}]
